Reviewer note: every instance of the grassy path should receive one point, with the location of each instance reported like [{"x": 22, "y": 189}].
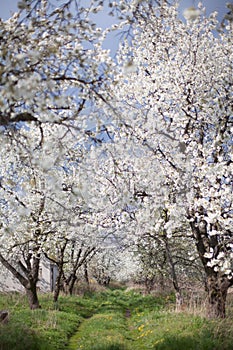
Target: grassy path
[
  {"x": 129, "y": 321},
  {"x": 110, "y": 320},
  {"x": 110, "y": 326}
]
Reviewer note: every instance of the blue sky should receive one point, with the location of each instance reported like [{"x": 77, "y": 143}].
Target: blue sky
[
  {"x": 8, "y": 7},
  {"x": 210, "y": 5}
]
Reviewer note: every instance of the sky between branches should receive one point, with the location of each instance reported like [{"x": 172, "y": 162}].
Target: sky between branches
[{"x": 8, "y": 7}]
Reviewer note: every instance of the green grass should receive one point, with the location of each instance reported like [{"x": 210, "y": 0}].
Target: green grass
[
  {"x": 101, "y": 331},
  {"x": 168, "y": 330},
  {"x": 42, "y": 329},
  {"x": 148, "y": 324},
  {"x": 110, "y": 320}
]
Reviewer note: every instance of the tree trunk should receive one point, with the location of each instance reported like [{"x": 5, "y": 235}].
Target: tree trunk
[
  {"x": 65, "y": 284},
  {"x": 59, "y": 262},
  {"x": 57, "y": 289},
  {"x": 217, "y": 284},
  {"x": 29, "y": 282},
  {"x": 217, "y": 288},
  {"x": 71, "y": 284},
  {"x": 32, "y": 296},
  {"x": 58, "y": 283},
  {"x": 86, "y": 276}
]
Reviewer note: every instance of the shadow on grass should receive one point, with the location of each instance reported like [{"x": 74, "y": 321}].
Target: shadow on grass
[{"x": 18, "y": 339}]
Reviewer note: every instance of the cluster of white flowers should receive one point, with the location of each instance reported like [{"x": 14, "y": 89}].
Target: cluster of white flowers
[{"x": 172, "y": 103}]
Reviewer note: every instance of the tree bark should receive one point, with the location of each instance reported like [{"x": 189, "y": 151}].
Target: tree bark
[
  {"x": 29, "y": 282},
  {"x": 86, "y": 275},
  {"x": 217, "y": 288},
  {"x": 72, "y": 283},
  {"x": 58, "y": 283},
  {"x": 82, "y": 257},
  {"x": 217, "y": 284},
  {"x": 32, "y": 296}
]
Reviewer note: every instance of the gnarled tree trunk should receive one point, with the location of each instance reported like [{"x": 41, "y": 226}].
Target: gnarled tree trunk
[
  {"x": 32, "y": 296},
  {"x": 58, "y": 283},
  {"x": 217, "y": 284},
  {"x": 28, "y": 280},
  {"x": 217, "y": 287}
]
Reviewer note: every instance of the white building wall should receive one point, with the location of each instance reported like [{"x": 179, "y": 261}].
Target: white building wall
[
  {"x": 9, "y": 283},
  {"x": 45, "y": 276}
]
